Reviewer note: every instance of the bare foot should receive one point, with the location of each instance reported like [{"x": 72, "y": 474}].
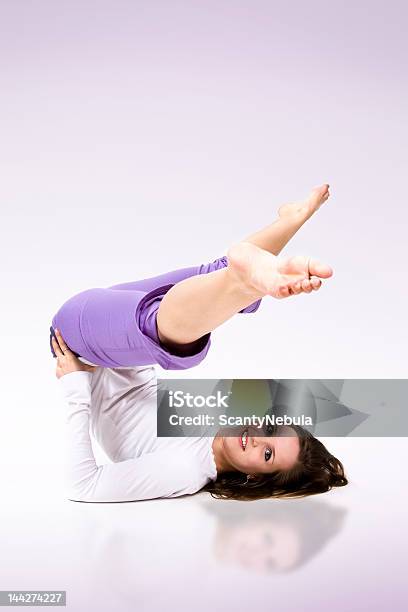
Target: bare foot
[
  {"x": 264, "y": 273},
  {"x": 307, "y": 207}
]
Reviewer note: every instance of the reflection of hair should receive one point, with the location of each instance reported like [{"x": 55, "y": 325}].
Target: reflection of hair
[
  {"x": 316, "y": 471},
  {"x": 314, "y": 522}
]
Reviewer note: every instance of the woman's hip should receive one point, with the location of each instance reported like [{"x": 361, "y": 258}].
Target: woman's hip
[{"x": 114, "y": 328}]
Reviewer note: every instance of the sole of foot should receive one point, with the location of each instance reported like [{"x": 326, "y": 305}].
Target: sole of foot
[
  {"x": 310, "y": 205},
  {"x": 261, "y": 273}
]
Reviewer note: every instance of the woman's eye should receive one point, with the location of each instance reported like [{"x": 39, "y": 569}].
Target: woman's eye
[{"x": 268, "y": 454}]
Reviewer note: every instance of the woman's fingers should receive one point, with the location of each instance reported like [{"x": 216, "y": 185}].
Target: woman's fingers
[
  {"x": 61, "y": 342},
  {"x": 56, "y": 348}
]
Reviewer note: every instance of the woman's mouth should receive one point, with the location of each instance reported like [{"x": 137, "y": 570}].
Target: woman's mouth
[{"x": 243, "y": 439}]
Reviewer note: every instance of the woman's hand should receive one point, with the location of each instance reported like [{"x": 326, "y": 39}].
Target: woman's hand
[{"x": 66, "y": 360}]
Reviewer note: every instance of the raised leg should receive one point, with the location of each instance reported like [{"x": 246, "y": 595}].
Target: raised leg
[
  {"x": 176, "y": 276},
  {"x": 171, "y": 277},
  {"x": 114, "y": 328},
  {"x": 200, "y": 304}
]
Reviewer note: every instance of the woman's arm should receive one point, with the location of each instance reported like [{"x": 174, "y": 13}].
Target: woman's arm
[{"x": 158, "y": 474}]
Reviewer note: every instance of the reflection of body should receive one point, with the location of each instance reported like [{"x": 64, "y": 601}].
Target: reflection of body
[
  {"x": 122, "y": 547},
  {"x": 135, "y": 324}
]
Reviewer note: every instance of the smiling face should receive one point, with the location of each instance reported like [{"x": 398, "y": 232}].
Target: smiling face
[{"x": 252, "y": 454}]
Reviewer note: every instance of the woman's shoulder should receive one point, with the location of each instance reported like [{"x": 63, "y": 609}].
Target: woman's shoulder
[{"x": 195, "y": 458}]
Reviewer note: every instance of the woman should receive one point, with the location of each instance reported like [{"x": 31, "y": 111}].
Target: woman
[{"x": 168, "y": 320}]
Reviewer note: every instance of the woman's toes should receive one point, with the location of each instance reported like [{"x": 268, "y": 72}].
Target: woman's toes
[
  {"x": 315, "y": 282},
  {"x": 297, "y": 287},
  {"x": 319, "y": 195},
  {"x": 321, "y": 189},
  {"x": 306, "y": 286},
  {"x": 318, "y": 268}
]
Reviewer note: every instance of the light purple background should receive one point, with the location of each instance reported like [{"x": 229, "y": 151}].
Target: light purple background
[{"x": 137, "y": 137}]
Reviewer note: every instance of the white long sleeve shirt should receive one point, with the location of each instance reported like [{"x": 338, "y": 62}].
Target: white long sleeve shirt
[{"x": 118, "y": 408}]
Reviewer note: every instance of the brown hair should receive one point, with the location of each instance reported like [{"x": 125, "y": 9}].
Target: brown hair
[{"x": 316, "y": 471}]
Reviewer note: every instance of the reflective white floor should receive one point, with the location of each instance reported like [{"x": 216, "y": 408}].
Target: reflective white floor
[{"x": 345, "y": 550}]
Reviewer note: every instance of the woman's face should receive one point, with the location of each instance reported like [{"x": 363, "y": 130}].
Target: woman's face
[{"x": 248, "y": 452}]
